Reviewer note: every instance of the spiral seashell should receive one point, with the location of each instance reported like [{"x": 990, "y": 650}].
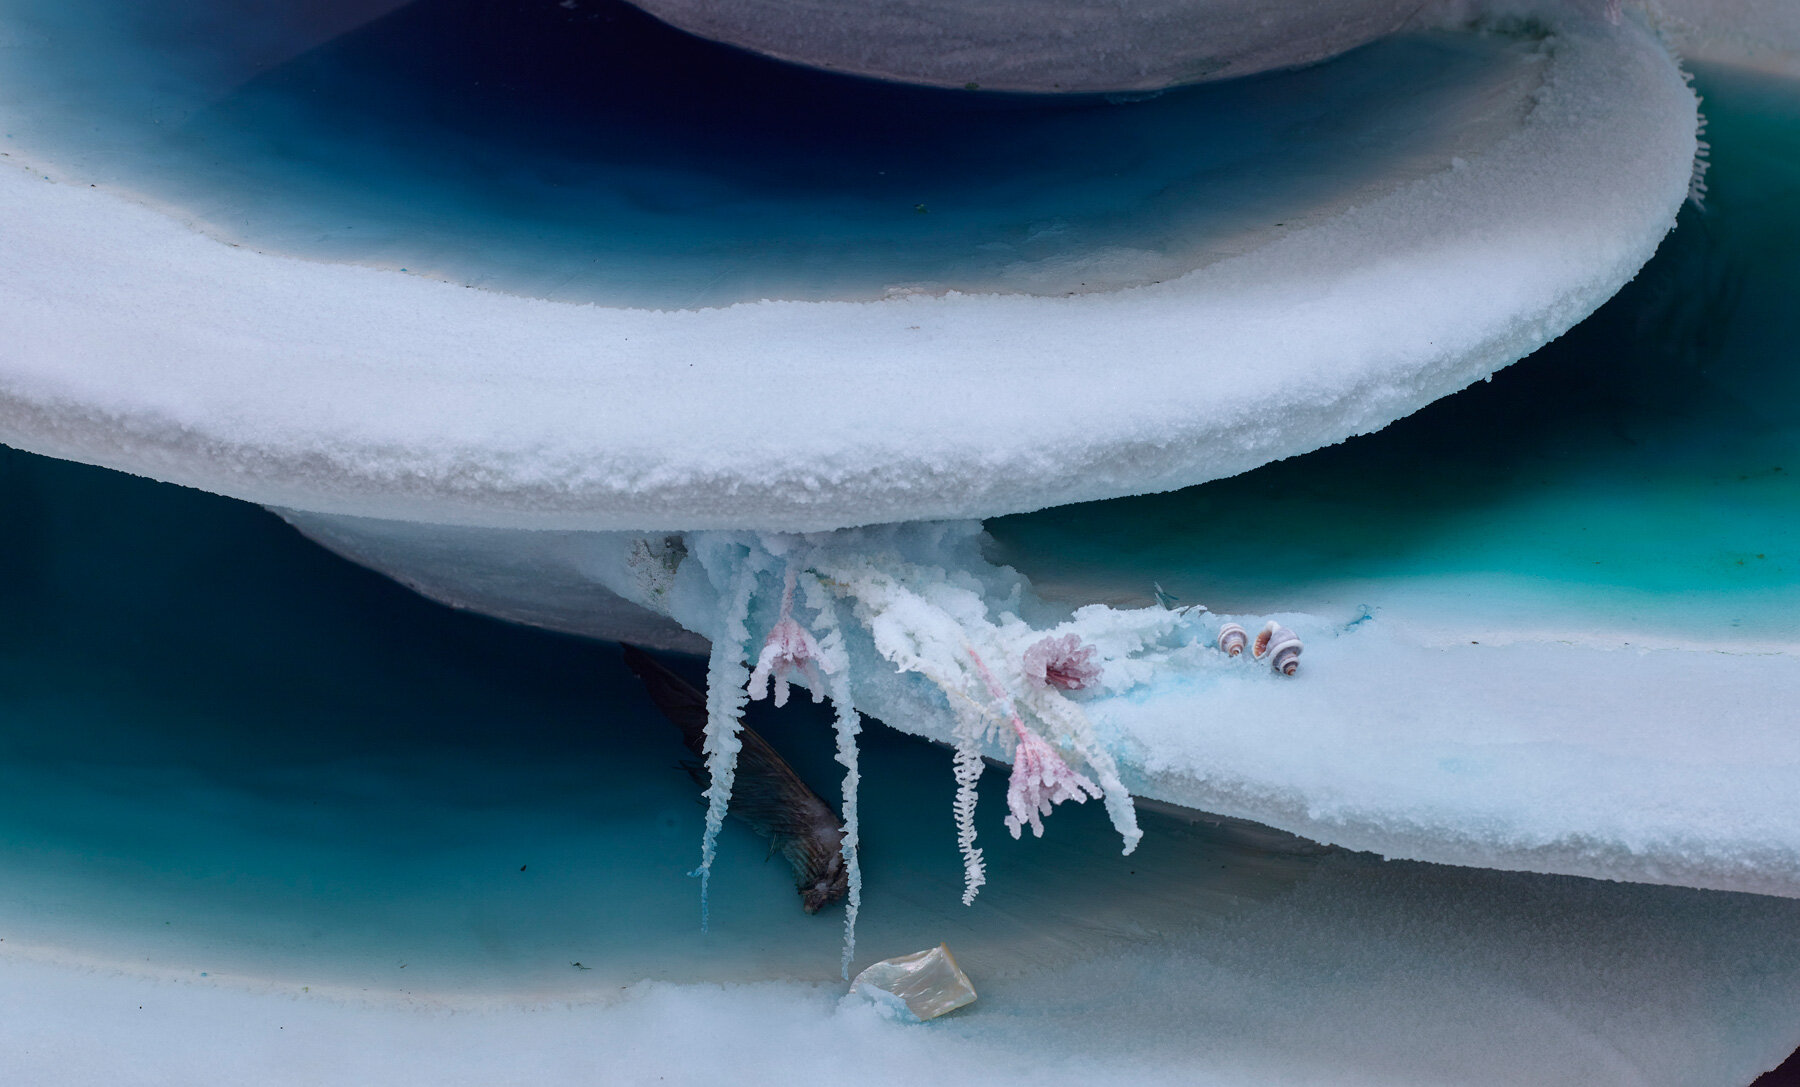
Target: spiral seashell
[
  {"x": 1233, "y": 639},
  {"x": 1280, "y": 646}
]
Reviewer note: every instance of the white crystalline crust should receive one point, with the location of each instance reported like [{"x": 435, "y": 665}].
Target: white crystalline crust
[
  {"x": 135, "y": 343},
  {"x": 1667, "y": 766}
]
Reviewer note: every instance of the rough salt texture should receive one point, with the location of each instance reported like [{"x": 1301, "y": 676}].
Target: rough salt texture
[
  {"x": 1539, "y": 756},
  {"x": 1042, "y": 46},
  {"x": 134, "y": 343}
]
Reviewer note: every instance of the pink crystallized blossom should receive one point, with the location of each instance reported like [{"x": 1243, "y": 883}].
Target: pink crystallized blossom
[
  {"x": 789, "y": 646},
  {"x": 1063, "y": 663},
  {"x": 1041, "y": 778}
]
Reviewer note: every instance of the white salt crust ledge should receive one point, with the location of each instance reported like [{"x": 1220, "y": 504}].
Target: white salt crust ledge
[
  {"x": 1410, "y": 732},
  {"x": 134, "y": 342}
]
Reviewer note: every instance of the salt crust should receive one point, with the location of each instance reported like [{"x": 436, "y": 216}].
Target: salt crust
[
  {"x": 1563, "y": 748},
  {"x": 138, "y": 344},
  {"x": 1669, "y": 766}
]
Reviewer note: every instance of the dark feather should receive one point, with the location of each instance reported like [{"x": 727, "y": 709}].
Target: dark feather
[{"x": 767, "y": 795}]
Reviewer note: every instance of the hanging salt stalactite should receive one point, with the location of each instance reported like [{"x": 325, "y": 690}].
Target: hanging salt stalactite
[
  {"x": 836, "y": 662},
  {"x": 966, "y": 766},
  {"x": 789, "y": 647},
  {"x": 917, "y": 637},
  {"x": 726, "y": 678},
  {"x": 1053, "y": 665}
]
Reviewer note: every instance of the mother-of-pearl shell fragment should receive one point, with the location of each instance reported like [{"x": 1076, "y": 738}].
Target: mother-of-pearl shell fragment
[{"x": 920, "y": 986}]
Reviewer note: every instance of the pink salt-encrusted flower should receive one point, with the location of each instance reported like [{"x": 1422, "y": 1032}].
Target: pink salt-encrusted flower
[
  {"x": 789, "y": 646},
  {"x": 1040, "y": 780},
  {"x": 1063, "y": 663}
]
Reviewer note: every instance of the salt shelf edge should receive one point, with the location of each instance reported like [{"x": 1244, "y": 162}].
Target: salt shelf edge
[{"x": 140, "y": 345}]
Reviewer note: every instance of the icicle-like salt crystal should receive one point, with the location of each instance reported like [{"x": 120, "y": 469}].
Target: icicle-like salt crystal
[
  {"x": 916, "y": 987},
  {"x": 1041, "y": 779},
  {"x": 1119, "y": 806},
  {"x": 836, "y": 662},
  {"x": 928, "y": 630},
  {"x": 916, "y": 636},
  {"x": 725, "y": 697},
  {"x": 966, "y": 766}
]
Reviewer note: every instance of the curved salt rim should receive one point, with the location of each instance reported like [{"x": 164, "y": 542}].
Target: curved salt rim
[
  {"x": 1061, "y": 46},
  {"x": 136, "y": 344}
]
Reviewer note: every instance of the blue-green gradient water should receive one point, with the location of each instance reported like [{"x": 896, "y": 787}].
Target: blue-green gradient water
[
  {"x": 223, "y": 751},
  {"x": 1641, "y": 475},
  {"x": 588, "y": 153}
]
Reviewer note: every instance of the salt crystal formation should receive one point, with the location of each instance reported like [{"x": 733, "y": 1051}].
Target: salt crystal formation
[
  {"x": 1062, "y": 662},
  {"x": 788, "y": 647},
  {"x": 918, "y": 987},
  {"x": 1556, "y": 166}
]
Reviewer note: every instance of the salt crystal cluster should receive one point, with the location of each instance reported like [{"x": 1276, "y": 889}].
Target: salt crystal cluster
[
  {"x": 1005, "y": 683},
  {"x": 1063, "y": 663}
]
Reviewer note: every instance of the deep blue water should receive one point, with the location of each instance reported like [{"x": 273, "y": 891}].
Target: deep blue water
[{"x": 588, "y": 153}]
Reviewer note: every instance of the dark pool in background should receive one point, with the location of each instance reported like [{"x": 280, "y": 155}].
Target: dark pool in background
[{"x": 588, "y": 153}]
